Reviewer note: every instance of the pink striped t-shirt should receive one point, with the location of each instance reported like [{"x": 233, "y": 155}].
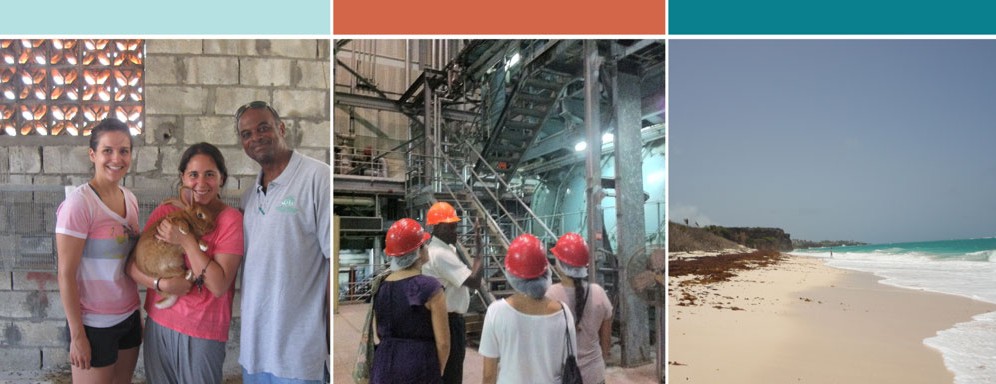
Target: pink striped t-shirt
[{"x": 107, "y": 294}]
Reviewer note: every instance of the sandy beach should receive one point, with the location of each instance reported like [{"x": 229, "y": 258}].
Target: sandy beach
[{"x": 796, "y": 320}]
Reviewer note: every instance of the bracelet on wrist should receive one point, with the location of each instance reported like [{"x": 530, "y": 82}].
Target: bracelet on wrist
[
  {"x": 199, "y": 281},
  {"x": 156, "y": 284},
  {"x": 190, "y": 276}
]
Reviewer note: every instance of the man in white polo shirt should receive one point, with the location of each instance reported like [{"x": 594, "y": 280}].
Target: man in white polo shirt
[
  {"x": 285, "y": 280},
  {"x": 445, "y": 265}
]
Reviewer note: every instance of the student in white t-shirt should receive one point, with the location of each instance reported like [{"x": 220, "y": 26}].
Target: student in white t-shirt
[{"x": 527, "y": 332}]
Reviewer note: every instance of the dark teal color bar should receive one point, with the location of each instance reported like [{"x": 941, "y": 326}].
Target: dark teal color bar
[
  {"x": 172, "y": 17},
  {"x": 802, "y": 17}
]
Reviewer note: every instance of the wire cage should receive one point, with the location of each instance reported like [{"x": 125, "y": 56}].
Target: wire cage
[{"x": 28, "y": 216}]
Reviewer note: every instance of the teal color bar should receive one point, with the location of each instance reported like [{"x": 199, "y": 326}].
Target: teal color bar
[
  {"x": 170, "y": 17},
  {"x": 803, "y": 17}
]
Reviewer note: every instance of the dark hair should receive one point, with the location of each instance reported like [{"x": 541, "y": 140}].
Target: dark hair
[
  {"x": 203, "y": 148},
  {"x": 108, "y": 125},
  {"x": 580, "y": 298}
]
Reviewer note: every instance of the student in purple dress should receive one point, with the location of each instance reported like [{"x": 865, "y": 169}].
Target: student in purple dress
[{"x": 409, "y": 313}]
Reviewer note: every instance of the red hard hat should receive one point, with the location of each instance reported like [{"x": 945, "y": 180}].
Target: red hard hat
[
  {"x": 441, "y": 212},
  {"x": 571, "y": 249},
  {"x": 404, "y": 236},
  {"x": 526, "y": 258}
]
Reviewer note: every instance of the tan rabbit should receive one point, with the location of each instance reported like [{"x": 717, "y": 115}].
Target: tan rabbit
[{"x": 159, "y": 259}]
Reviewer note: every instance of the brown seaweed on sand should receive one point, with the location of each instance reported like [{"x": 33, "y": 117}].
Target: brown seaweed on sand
[{"x": 709, "y": 270}]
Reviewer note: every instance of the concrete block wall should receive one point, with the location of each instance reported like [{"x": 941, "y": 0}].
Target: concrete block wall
[
  {"x": 34, "y": 335},
  {"x": 192, "y": 90}
]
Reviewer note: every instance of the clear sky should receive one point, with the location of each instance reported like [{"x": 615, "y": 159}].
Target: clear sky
[{"x": 870, "y": 140}]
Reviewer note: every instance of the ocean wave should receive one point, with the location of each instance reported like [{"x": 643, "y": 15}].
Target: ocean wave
[
  {"x": 969, "y": 349},
  {"x": 957, "y": 267},
  {"x": 885, "y": 257},
  {"x": 987, "y": 255},
  {"x": 893, "y": 250}
]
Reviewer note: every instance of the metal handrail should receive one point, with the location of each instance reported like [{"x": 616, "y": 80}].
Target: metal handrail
[
  {"x": 492, "y": 224},
  {"x": 506, "y": 185},
  {"x": 529, "y": 211}
]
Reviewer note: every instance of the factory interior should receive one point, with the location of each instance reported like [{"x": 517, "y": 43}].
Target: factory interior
[{"x": 520, "y": 136}]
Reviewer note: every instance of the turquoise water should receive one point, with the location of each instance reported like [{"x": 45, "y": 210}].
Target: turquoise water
[
  {"x": 965, "y": 249},
  {"x": 958, "y": 267}
]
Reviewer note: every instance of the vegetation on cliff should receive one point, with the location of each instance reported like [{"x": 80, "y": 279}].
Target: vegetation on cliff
[
  {"x": 755, "y": 237},
  {"x": 682, "y": 238}
]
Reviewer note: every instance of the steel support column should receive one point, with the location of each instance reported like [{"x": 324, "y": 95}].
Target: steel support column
[
  {"x": 593, "y": 135},
  {"x": 631, "y": 227},
  {"x": 430, "y": 126},
  {"x": 378, "y": 249}
]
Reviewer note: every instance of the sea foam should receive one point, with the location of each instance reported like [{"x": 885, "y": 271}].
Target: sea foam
[{"x": 958, "y": 267}]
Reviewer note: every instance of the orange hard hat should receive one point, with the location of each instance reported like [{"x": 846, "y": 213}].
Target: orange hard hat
[
  {"x": 571, "y": 249},
  {"x": 405, "y": 236},
  {"x": 526, "y": 258},
  {"x": 441, "y": 212}
]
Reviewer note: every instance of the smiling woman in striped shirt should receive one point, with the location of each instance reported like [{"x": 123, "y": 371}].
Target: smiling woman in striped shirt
[{"x": 96, "y": 229}]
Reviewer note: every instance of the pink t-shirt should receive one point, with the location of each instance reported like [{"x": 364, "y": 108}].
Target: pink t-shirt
[
  {"x": 597, "y": 309},
  {"x": 199, "y": 313},
  {"x": 107, "y": 294}
]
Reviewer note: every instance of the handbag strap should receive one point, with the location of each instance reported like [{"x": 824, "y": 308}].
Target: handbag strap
[
  {"x": 567, "y": 331},
  {"x": 374, "y": 288}
]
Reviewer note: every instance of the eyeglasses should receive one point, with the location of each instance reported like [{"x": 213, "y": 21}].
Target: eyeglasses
[
  {"x": 260, "y": 195},
  {"x": 256, "y": 105}
]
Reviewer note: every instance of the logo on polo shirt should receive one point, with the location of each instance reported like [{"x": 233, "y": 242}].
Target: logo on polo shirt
[{"x": 288, "y": 205}]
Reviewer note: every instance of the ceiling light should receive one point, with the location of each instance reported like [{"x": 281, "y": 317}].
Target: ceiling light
[
  {"x": 580, "y": 146},
  {"x": 515, "y": 59}
]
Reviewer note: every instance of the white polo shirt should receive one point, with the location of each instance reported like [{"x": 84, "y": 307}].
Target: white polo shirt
[{"x": 446, "y": 266}]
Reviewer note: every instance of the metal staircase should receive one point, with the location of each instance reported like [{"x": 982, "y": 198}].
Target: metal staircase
[
  {"x": 519, "y": 118},
  {"x": 491, "y": 218},
  {"x": 447, "y": 163}
]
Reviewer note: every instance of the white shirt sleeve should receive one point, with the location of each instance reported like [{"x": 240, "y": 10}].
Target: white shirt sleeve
[
  {"x": 489, "y": 337},
  {"x": 444, "y": 264}
]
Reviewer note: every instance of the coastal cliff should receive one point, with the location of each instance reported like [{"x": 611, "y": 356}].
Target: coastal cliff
[
  {"x": 684, "y": 238},
  {"x": 755, "y": 237}
]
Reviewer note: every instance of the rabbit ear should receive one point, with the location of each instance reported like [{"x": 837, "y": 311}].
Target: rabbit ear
[
  {"x": 186, "y": 196},
  {"x": 175, "y": 202},
  {"x": 216, "y": 206}
]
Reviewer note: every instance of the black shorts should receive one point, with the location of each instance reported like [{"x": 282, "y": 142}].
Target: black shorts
[{"x": 105, "y": 342}]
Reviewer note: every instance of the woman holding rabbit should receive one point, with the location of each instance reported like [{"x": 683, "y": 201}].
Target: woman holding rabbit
[{"x": 185, "y": 343}]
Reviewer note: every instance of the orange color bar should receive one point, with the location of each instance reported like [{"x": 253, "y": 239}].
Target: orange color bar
[{"x": 508, "y": 17}]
